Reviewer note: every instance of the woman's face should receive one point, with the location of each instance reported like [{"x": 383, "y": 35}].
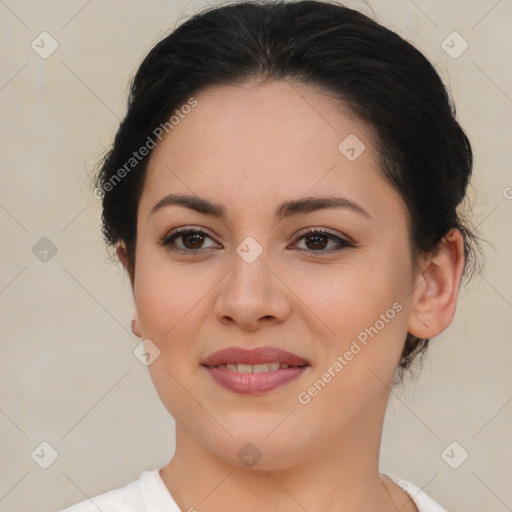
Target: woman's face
[{"x": 338, "y": 300}]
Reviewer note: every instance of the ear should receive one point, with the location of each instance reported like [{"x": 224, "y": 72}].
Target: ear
[
  {"x": 122, "y": 254},
  {"x": 135, "y": 323},
  {"x": 436, "y": 288}
]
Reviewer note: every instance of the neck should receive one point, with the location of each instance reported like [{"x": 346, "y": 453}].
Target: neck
[{"x": 340, "y": 475}]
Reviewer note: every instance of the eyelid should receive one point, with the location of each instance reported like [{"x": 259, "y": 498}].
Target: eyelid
[
  {"x": 183, "y": 230},
  {"x": 187, "y": 228},
  {"x": 342, "y": 241},
  {"x": 323, "y": 231}
]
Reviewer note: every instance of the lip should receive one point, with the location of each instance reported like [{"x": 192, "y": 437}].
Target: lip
[
  {"x": 257, "y": 355},
  {"x": 254, "y": 383}
]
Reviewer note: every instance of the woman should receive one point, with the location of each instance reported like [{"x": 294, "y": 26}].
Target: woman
[{"x": 283, "y": 194}]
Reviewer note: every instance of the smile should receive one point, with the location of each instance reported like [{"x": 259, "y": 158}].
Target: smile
[
  {"x": 255, "y": 371},
  {"x": 254, "y": 368}
]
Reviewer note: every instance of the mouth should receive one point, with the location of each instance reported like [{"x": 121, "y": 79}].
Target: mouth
[
  {"x": 254, "y": 371},
  {"x": 243, "y": 358},
  {"x": 254, "y": 368}
]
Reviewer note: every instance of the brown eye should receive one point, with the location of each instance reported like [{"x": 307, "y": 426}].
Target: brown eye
[
  {"x": 318, "y": 240},
  {"x": 192, "y": 240},
  {"x": 187, "y": 240}
]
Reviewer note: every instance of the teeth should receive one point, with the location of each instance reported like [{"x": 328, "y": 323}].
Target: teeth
[
  {"x": 256, "y": 368},
  {"x": 263, "y": 367},
  {"x": 245, "y": 368}
]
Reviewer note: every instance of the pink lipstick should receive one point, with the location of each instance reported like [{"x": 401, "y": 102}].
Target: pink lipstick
[{"x": 254, "y": 371}]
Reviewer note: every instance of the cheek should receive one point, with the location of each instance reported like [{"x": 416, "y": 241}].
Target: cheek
[
  {"x": 173, "y": 303},
  {"x": 365, "y": 305},
  {"x": 346, "y": 299},
  {"x": 168, "y": 297},
  {"x": 170, "y": 302}
]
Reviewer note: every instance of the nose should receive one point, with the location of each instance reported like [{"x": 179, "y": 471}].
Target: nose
[{"x": 252, "y": 295}]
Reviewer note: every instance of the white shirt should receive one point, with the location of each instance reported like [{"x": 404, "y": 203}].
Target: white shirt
[{"x": 149, "y": 494}]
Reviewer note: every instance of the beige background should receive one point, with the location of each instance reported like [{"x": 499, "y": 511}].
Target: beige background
[{"x": 68, "y": 375}]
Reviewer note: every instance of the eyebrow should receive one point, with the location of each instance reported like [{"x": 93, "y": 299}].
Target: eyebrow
[{"x": 285, "y": 209}]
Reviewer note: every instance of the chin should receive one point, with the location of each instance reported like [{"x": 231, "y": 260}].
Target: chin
[{"x": 257, "y": 450}]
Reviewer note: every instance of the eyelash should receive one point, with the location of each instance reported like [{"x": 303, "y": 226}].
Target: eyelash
[{"x": 168, "y": 240}]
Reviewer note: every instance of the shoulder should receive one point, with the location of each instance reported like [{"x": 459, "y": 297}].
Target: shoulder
[
  {"x": 123, "y": 499},
  {"x": 423, "y": 502},
  {"x": 147, "y": 494}
]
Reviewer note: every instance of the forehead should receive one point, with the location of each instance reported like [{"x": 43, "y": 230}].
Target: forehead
[{"x": 261, "y": 143}]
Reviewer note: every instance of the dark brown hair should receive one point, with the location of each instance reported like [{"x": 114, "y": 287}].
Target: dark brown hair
[{"x": 381, "y": 78}]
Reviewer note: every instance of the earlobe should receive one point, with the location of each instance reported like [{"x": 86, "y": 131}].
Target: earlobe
[
  {"x": 135, "y": 324},
  {"x": 122, "y": 254},
  {"x": 436, "y": 288}
]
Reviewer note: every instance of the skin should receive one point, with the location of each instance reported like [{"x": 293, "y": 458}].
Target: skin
[{"x": 249, "y": 148}]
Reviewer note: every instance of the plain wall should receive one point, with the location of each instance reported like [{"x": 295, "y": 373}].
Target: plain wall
[{"x": 68, "y": 375}]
